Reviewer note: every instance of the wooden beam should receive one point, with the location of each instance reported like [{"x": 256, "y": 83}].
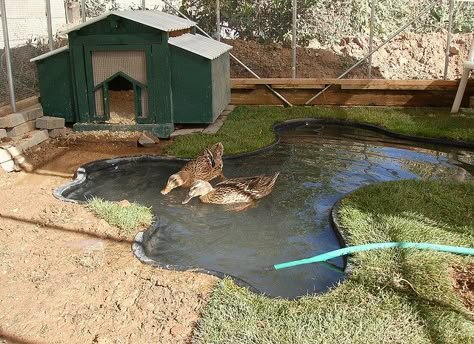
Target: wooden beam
[{"x": 345, "y": 97}]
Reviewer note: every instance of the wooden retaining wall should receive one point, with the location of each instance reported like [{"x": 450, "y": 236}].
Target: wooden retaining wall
[{"x": 354, "y": 92}]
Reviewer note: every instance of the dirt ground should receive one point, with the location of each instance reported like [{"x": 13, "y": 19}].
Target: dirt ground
[{"x": 68, "y": 277}]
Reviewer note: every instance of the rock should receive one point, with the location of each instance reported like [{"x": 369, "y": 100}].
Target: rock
[
  {"x": 453, "y": 51},
  {"x": 357, "y": 41},
  {"x": 178, "y": 330},
  {"x": 147, "y": 139},
  {"x": 53, "y": 133},
  {"x": 124, "y": 203}
]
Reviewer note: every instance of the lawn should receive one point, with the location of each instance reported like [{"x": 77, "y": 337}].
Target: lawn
[
  {"x": 250, "y": 127},
  {"x": 392, "y": 296},
  {"x": 128, "y": 218}
]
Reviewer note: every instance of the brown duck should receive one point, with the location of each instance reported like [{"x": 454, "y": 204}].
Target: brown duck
[
  {"x": 205, "y": 167},
  {"x": 237, "y": 190}
]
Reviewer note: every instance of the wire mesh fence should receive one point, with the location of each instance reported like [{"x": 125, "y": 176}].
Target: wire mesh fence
[{"x": 327, "y": 37}]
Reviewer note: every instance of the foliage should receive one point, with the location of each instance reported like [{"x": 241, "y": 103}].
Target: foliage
[
  {"x": 392, "y": 296},
  {"x": 325, "y": 20},
  {"x": 95, "y": 8},
  {"x": 128, "y": 218}
]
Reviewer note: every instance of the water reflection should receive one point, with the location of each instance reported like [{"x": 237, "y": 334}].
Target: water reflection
[{"x": 318, "y": 165}]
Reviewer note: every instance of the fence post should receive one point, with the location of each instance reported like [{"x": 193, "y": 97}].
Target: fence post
[
  {"x": 293, "y": 40},
  {"x": 83, "y": 10},
  {"x": 143, "y": 4},
  {"x": 218, "y": 20},
  {"x": 371, "y": 34},
  {"x": 50, "y": 25},
  {"x": 7, "y": 55},
  {"x": 448, "y": 39}
]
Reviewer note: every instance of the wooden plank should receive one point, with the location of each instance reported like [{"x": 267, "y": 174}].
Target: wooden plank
[
  {"x": 297, "y": 87},
  {"x": 244, "y": 87},
  {"x": 389, "y": 83},
  {"x": 344, "y": 97},
  {"x": 399, "y": 87}
]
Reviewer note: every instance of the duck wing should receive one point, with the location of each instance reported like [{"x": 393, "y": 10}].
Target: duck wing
[{"x": 256, "y": 187}]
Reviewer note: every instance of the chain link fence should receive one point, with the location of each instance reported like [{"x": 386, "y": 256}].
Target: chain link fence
[{"x": 274, "y": 38}]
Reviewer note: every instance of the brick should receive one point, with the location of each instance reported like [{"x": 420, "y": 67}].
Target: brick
[
  {"x": 20, "y": 117},
  {"x": 35, "y": 138},
  {"x": 3, "y": 133},
  {"x": 48, "y": 122},
  {"x": 148, "y": 139},
  {"x": 21, "y": 129},
  {"x": 5, "y": 155},
  {"x": 53, "y": 133},
  {"x": 8, "y": 166}
]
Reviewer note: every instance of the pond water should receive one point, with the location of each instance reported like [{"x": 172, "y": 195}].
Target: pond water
[{"x": 319, "y": 164}]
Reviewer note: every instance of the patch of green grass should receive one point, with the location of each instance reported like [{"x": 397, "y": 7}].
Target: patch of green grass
[
  {"x": 250, "y": 127},
  {"x": 129, "y": 219},
  {"x": 392, "y": 296}
]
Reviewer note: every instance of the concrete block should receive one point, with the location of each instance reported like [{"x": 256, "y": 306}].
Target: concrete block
[
  {"x": 147, "y": 139},
  {"x": 8, "y": 166},
  {"x": 21, "y": 129},
  {"x": 5, "y": 155},
  {"x": 48, "y": 122},
  {"x": 3, "y": 133},
  {"x": 20, "y": 117},
  {"x": 53, "y": 133},
  {"x": 188, "y": 131},
  {"x": 34, "y": 138}
]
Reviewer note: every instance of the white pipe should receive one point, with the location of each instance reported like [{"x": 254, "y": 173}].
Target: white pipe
[
  {"x": 50, "y": 25},
  {"x": 8, "y": 59},
  {"x": 218, "y": 20},
  {"x": 293, "y": 41},
  {"x": 371, "y": 35},
  {"x": 448, "y": 39}
]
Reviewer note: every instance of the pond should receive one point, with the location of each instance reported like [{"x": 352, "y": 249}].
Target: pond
[{"x": 319, "y": 164}]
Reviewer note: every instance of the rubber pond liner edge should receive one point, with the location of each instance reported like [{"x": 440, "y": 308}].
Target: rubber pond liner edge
[{"x": 339, "y": 230}]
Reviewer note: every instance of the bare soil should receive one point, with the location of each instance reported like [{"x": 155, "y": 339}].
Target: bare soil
[
  {"x": 68, "y": 277},
  {"x": 274, "y": 61},
  {"x": 463, "y": 277},
  {"x": 408, "y": 56}
]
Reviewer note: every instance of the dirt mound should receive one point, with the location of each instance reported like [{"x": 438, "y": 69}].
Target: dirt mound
[
  {"x": 411, "y": 55},
  {"x": 408, "y": 56},
  {"x": 274, "y": 61}
]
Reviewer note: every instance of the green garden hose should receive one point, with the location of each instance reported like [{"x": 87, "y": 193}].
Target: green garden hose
[{"x": 376, "y": 246}]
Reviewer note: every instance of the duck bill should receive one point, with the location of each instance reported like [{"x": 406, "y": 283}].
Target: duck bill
[
  {"x": 187, "y": 199},
  {"x": 166, "y": 190}
]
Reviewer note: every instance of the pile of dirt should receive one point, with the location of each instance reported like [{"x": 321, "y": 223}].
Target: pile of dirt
[
  {"x": 408, "y": 56},
  {"x": 412, "y": 55},
  {"x": 274, "y": 61}
]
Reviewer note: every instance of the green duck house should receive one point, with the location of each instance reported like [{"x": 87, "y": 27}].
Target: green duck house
[{"x": 149, "y": 64}]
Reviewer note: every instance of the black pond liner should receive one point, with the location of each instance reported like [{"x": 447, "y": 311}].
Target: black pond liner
[{"x": 320, "y": 162}]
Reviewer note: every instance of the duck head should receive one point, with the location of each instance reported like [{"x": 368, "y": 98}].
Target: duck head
[
  {"x": 199, "y": 188},
  {"x": 174, "y": 181}
]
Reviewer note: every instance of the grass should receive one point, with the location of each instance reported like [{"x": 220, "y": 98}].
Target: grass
[
  {"x": 250, "y": 127},
  {"x": 392, "y": 296},
  {"x": 129, "y": 219}
]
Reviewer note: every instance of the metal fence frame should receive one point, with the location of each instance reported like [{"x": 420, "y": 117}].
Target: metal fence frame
[{"x": 373, "y": 11}]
